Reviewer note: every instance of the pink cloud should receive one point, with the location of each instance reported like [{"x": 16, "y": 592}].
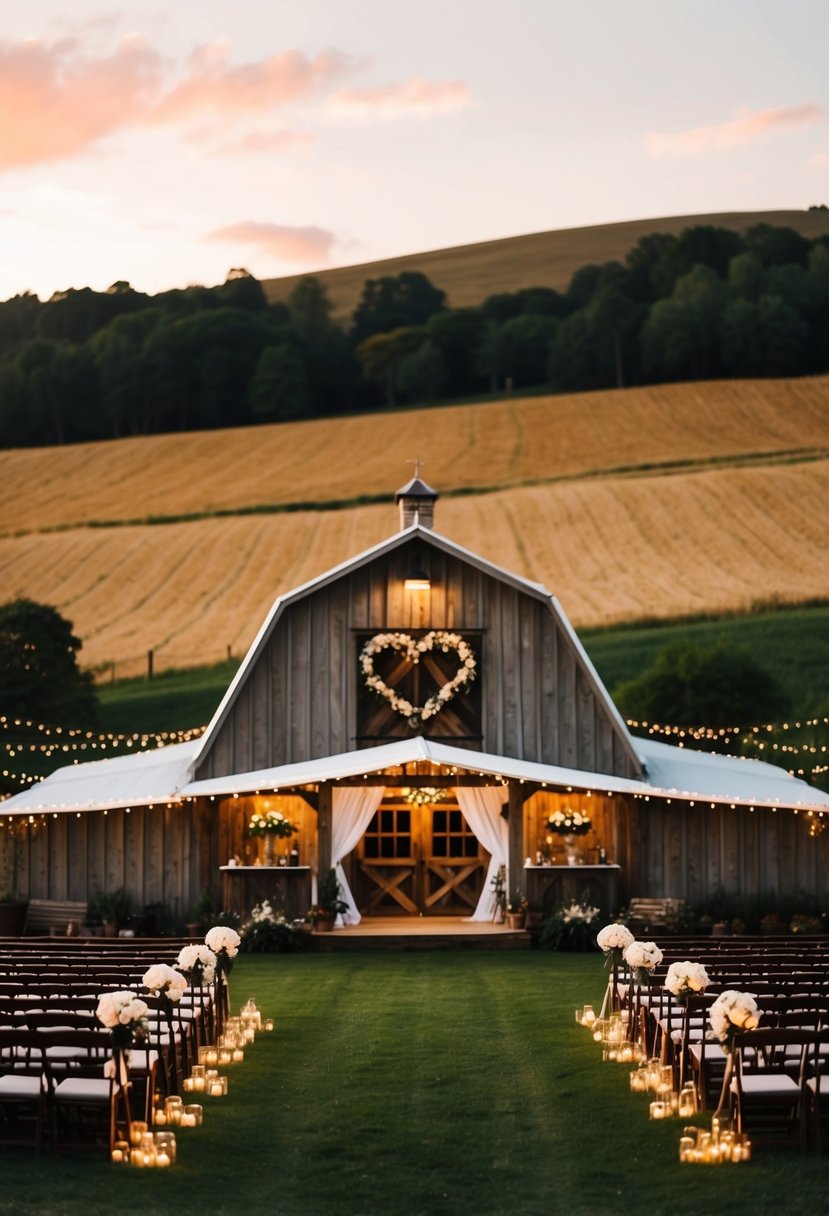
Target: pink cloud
[
  {"x": 309, "y": 245},
  {"x": 212, "y": 85},
  {"x": 56, "y": 102},
  {"x": 414, "y": 96},
  {"x": 257, "y": 143},
  {"x": 746, "y": 127}
]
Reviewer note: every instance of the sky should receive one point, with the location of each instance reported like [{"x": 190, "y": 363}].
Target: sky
[{"x": 165, "y": 144}]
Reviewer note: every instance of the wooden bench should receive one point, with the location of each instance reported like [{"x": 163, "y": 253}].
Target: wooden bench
[
  {"x": 52, "y": 917},
  {"x": 655, "y": 913}
]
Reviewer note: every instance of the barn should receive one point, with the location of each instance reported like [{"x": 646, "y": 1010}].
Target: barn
[{"x": 423, "y": 718}]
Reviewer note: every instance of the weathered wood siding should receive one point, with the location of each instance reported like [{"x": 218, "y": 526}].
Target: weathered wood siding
[
  {"x": 695, "y": 853},
  {"x": 160, "y": 855},
  {"x": 299, "y": 700}
]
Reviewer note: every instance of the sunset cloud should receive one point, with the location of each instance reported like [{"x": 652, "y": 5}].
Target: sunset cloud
[
  {"x": 309, "y": 245},
  {"x": 746, "y": 127},
  {"x": 212, "y": 85},
  {"x": 56, "y": 102},
  {"x": 411, "y": 97},
  {"x": 251, "y": 143},
  {"x": 59, "y": 99}
]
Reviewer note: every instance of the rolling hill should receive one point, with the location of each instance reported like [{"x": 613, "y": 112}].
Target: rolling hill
[{"x": 470, "y": 273}]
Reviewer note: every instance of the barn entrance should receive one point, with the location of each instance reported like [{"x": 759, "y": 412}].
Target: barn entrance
[{"x": 419, "y": 857}]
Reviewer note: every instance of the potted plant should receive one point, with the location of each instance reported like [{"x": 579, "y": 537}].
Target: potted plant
[
  {"x": 12, "y": 914},
  {"x": 12, "y": 907},
  {"x": 112, "y": 909},
  {"x": 516, "y": 910},
  {"x": 201, "y": 916},
  {"x": 323, "y": 914}
]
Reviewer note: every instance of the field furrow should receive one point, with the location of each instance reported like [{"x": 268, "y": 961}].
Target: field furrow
[
  {"x": 490, "y": 445},
  {"x": 612, "y": 549}
]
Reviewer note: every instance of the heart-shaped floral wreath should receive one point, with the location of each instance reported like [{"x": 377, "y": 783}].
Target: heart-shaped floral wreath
[{"x": 436, "y": 639}]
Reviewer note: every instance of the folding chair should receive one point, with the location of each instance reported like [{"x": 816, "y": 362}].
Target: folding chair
[
  {"x": 767, "y": 1087},
  {"x": 23, "y": 1088}
]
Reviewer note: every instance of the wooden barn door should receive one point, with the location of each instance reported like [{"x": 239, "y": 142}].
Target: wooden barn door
[{"x": 419, "y": 860}]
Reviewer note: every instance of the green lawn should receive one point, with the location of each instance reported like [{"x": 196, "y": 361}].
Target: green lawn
[{"x": 419, "y": 1085}]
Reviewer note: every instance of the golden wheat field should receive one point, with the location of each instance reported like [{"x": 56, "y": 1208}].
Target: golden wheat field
[
  {"x": 470, "y": 273},
  {"x": 611, "y": 549},
  {"x": 488, "y": 445}
]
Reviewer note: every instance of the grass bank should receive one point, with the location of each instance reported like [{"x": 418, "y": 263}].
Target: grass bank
[
  {"x": 421, "y": 1085},
  {"x": 792, "y": 643}
]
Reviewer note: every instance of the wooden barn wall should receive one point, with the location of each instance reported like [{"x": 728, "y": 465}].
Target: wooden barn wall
[
  {"x": 299, "y": 700},
  {"x": 160, "y": 855},
  {"x": 697, "y": 852}
]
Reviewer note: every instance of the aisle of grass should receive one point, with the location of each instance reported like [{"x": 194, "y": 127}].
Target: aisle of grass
[{"x": 420, "y": 1085}]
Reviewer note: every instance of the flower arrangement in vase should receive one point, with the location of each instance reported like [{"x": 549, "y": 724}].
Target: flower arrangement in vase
[{"x": 270, "y": 827}]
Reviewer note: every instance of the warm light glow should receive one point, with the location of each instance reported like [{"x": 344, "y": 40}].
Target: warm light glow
[{"x": 417, "y": 584}]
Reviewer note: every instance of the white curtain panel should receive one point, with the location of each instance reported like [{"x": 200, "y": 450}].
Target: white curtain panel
[
  {"x": 481, "y": 807},
  {"x": 352, "y": 811}
]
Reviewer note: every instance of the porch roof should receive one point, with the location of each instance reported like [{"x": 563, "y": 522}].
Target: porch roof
[
  {"x": 164, "y": 775},
  {"x": 140, "y": 779},
  {"x": 670, "y": 771}
]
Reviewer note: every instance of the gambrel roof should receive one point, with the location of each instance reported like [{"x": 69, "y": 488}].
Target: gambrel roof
[{"x": 431, "y": 538}]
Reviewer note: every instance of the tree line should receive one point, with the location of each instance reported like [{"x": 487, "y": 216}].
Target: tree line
[{"x": 708, "y": 303}]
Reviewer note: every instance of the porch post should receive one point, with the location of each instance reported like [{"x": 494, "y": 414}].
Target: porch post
[
  {"x": 515, "y": 838},
  {"x": 324, "y": 809}
]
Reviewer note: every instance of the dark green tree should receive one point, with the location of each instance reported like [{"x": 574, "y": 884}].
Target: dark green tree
[
  {"x": 395, "y": 302},
  {"x": 525, "y": 349},
  {"x": 310, "y": 309},
  {"x": 652, "y": 268},
  {"x": 747, "y": 276},
  {"x": 422, "y": 374},
  {"x": 457, "y": 336},
  {"x": 381, "y": 356},
  {"x": 776, "y": 246},
  {"x": 40, "y": 680},
  {"x": 280, "y": 389},
  {"x": 242, "y": 290},
  {"x": 691, "y": 685}
]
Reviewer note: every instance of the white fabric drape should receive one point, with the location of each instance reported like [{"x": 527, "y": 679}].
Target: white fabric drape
[
  {"x": 481, "y": 807},
  {"x": 351, "y": 813}
]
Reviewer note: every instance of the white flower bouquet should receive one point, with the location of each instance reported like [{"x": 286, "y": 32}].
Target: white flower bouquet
[
  {"x": 272, "y": 823},
  {"x": 685, "y": 979},
  {"x": 224, "y": 942},
  {"x": 124, "y": 1015},
  {"x": 165, "y": 982},
  {"x": 568, "y": 823},
  {"x": 571, "y": 928},
  {"x": 642, "y": 958},
  {"x": 614, "y": 940},
  {"x": 731, "y": 1012},
  {"x": 198, "y": 964}
]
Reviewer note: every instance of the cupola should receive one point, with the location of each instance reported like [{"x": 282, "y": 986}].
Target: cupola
[{"x": 416, "y": 502}]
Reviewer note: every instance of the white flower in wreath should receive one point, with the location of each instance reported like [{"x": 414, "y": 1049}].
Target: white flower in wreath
[{"x": 403, "y": 643}]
